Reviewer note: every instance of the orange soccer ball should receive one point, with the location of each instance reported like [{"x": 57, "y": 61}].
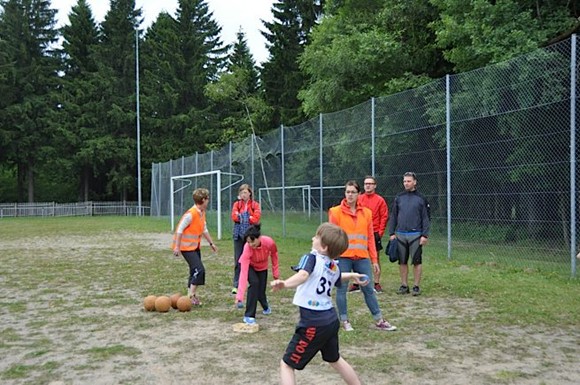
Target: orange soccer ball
[
  {"x": 174, "y": 299},
  {"x": 184, "y": 303},
  {"x": 149, "y": 302},
  {"x": 163, "y": 304}
]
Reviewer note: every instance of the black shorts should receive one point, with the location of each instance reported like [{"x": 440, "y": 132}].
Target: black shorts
[
  {"x": 409, "y": 248},
  {"x": 307, "y": 341}
]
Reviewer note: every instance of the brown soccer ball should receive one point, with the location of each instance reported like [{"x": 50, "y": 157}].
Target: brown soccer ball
[
  {"x": 184, "y": 303},
  {"x": 163, "y": 304},
  {"x": 149, "y": 302},
  {"x": 174, "y": 299}
]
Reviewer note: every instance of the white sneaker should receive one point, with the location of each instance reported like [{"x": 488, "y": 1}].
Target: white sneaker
[{"x": 347, "y": 326}]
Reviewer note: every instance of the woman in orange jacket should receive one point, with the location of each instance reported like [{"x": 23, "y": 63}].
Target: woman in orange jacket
[
  {"x": 187, "y": 241},
  {"x": 357, "y": 222}
]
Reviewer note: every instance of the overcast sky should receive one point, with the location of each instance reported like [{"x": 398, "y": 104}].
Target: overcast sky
[{"x": 229, "y": 14}]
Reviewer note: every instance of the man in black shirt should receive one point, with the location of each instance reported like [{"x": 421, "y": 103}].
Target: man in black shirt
[{"x": 409, "y": 225}]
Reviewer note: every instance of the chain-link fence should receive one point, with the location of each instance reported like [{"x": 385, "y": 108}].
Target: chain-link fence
[{"x": 494, "y": 151}]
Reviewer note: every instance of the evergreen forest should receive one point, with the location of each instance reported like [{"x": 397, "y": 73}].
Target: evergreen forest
[{"x": 72, "y": 99}]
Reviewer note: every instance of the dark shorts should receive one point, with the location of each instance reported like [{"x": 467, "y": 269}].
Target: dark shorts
[
  {"x": 378, "y": 242},
  {"x": 409, "y": 248},
  {"x": 196, "y": 268},
  {"x": 307, "y": 341}
]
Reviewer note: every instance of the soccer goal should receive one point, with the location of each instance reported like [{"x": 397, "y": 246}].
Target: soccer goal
[
  {"x": 294, "y": 198},
  {"x": 182, "y": 187}
]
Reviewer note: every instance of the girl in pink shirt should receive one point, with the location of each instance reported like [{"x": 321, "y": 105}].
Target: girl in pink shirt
[{"x": 254, "y": 269}]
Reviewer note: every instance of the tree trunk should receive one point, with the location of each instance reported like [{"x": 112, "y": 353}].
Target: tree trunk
[{"x": 30, "y": 179}]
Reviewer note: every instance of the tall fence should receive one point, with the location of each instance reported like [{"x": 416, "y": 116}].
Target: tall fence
[{"x": 494, "y": 151}]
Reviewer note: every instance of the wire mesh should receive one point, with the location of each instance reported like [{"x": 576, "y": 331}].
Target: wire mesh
[{"x": 510, "y": 163}]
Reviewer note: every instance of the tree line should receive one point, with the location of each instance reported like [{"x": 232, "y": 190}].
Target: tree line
[{"x": 68, "y": 107}]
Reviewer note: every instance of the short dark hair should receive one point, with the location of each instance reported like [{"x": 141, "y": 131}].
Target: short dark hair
[
  {"x": 411, "y": 174},
  {"x": 253, "y": 232}
]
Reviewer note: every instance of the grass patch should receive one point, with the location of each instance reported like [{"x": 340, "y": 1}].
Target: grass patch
[{"x": 76, "y": 311}]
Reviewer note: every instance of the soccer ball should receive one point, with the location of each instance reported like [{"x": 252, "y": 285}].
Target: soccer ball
[
  {"x": 149, "y": 302},
  {"x": 174, "y": 299},
  {"x": 163, "y": 304},
  {"x": 184, "y": 303}
]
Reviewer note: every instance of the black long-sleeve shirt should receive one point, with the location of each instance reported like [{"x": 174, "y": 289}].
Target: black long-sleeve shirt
[{"x": 410, "y": 213}]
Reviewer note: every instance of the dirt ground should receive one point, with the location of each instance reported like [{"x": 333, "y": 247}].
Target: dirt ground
[{"x": 51, "y": 333}]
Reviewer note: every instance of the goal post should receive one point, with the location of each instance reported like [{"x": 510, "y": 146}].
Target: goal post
[{"x": 211, "y": 180}]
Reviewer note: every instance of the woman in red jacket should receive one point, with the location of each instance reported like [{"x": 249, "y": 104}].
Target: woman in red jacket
[{"x": 245, "y": 212}]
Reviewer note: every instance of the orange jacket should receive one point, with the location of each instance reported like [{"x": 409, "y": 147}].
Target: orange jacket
[
  {"x": 358, "y": 227},
  {"x": 191, "y": 237}
]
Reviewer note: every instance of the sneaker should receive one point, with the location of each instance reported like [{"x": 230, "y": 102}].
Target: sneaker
[
  {"x": 249, "y": 320},
  {"x": 195, "y": 301},
  {"x": 347, "y": 326},
  {"x": 240, "y": 305},
  {"x": 384, "y": 325},
  {"x": 267, "y": 311},
  {"x": 354, "y": 288},
  {"x": 378, "y": 288},
  {"x": 416, "y": 291},
  {"x": 234, "y": 290},
  {"x": 403, "y": 290}
]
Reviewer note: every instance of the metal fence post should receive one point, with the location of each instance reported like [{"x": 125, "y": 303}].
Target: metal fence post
[
  {"x": 373, "y": 157},
  {"x": 573, "y": 86},
  {"x": 320, "y": 181},
  {"x": 448, "y": 160},
  {"x": 283, "y": 177}
]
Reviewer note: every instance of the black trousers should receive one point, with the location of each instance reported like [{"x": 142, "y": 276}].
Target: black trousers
[{"x": 258, "y": 281}]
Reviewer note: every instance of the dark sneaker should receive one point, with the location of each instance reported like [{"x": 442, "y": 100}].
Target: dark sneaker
[
  {"x": 403, "y": 290},
  {"x": 378, "y": 288},
  {"x": 354, "y": 288},
  {"x": 416, "y": 290}
]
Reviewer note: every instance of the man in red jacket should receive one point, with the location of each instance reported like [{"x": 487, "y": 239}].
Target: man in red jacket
[{"x": 380, "y": 211}]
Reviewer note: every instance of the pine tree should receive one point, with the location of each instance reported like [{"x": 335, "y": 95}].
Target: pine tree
[
  {"x": 287, "y": 36},
  {"x": 82, "y": 104},
  {"x": 28, "y": 83},
  {"x": 181, "y": 56},
  {"x": 116, "y": 60}
]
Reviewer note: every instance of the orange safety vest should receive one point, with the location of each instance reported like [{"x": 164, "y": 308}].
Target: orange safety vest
[
  {"x": 359, "y": 229},
  {"x": 191, "y": 237}
]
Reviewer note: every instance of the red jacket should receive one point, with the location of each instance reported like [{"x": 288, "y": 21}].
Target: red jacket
[
  {"x": 251, "y": 206},
  {"x": 380, "y": 210}
]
